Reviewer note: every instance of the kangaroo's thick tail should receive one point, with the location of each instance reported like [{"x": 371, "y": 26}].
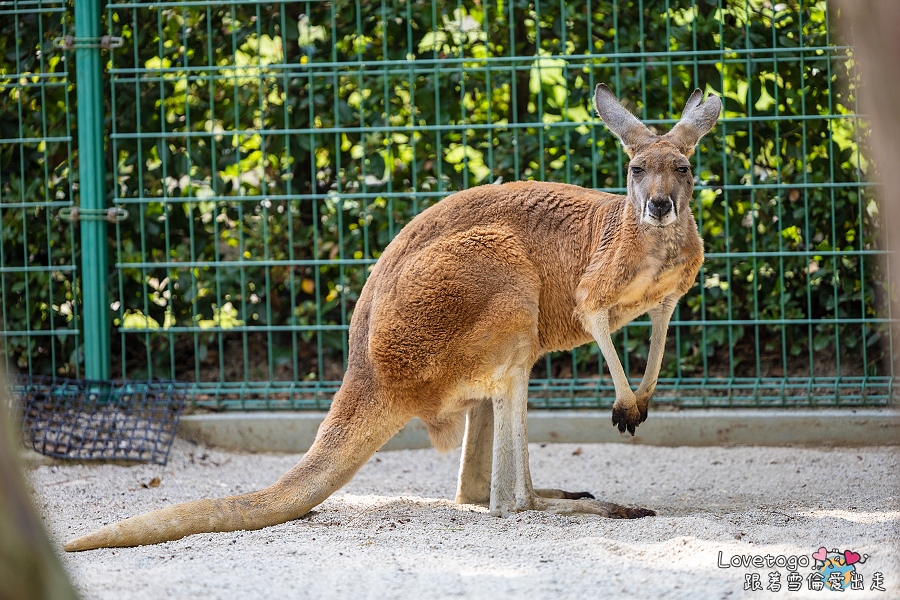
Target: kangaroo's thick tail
[{"x": 357, "y": 425}]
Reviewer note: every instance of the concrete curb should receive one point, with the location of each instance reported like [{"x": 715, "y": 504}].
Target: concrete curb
[{"x": 295, "y": 431}]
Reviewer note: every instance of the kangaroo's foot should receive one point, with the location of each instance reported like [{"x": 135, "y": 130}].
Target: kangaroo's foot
[
  {"x": 572, "y": 506},
  {"x": 562, "y": 495},
  {"x": 463, "y": 498}
]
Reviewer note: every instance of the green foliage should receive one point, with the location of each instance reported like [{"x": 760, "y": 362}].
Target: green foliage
[{"x": 269, "y": 152}]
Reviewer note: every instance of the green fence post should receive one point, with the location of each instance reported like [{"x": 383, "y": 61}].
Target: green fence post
[{"x": 92, "y": 190}]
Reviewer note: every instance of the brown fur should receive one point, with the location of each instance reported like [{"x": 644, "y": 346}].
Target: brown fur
[{"x": 459, "y": 307}]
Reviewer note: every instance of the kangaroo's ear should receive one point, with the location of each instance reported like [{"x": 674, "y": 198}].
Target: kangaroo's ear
[
  {"x": 696, "y": 121},
  {"x": 633, "y": 134}
]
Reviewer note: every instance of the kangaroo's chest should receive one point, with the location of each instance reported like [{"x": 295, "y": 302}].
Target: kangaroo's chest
[{"x": 645, "y": 290}]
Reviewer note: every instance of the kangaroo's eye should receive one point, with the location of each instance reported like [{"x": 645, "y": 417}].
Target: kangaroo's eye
[
  {"x": 682, "y": 169},
  {"x": 636, "y": 170}
]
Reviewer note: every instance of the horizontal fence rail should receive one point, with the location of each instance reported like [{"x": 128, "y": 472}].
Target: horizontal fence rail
[{"x": 266, "y": 153}]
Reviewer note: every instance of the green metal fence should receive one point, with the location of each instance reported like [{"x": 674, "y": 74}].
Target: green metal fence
[{"x": 260, "y": 155}]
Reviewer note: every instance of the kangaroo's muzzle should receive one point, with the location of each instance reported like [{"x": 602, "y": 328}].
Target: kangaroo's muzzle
[{"x": 660, "y": 211}]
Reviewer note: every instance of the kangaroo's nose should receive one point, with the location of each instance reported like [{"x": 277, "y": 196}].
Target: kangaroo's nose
[{"x": 659, "y": 206}]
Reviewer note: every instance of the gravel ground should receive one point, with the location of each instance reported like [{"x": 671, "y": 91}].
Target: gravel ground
[{"x": 393, "y": 532}]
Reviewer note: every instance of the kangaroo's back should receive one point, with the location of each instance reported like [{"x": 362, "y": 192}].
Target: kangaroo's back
[{"x": 439, "y": 268}]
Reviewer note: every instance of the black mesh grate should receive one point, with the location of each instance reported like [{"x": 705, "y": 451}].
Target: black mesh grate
[{"x": 100, "y": 420}]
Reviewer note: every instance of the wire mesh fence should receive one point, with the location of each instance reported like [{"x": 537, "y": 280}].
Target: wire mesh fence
[
  {"x": 262, "y": 154},
  {"x": 39, "y": 302}
]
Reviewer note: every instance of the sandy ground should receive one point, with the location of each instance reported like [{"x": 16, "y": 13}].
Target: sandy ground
[{"x": 393, "y": 532}]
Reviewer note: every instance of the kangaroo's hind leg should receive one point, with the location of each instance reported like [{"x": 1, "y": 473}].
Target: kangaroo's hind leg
[
  {"x": 511, "y": 487},
  {"x": 474, "y": 485}
]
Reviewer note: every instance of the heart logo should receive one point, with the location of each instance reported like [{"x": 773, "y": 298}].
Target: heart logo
[
  {"x": 851, "y": 556},
  {"x": 822, "y": 554}
]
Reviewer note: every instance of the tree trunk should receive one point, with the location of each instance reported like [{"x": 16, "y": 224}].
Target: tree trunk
[{"x": 870, "y": 26}]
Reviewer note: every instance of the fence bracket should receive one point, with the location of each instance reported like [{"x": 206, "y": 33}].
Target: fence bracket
[
  {"x": 70, "y": 42},
  {"x": 73, "y": 214}
]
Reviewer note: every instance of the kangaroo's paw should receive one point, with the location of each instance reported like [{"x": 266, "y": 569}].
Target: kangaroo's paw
[
  {"x": 627, "y": 415},
  {"x": 562, "y": 494},
  {"x": 643, "y": 404}
]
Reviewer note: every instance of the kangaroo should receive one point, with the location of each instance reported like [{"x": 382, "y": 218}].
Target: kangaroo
[{"x": 460, "y": 306}]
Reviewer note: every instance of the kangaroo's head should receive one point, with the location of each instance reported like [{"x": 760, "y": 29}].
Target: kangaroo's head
[{"x": 660, "y": 181}]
